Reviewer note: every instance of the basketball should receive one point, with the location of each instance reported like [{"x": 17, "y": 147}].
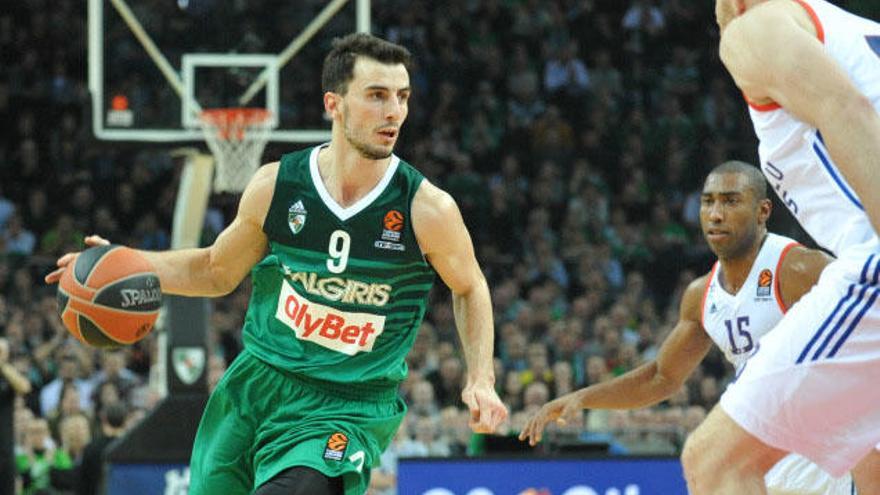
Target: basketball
[{"x": 109, "y": 296}]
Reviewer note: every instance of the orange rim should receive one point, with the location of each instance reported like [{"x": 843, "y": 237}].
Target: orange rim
[{"x": 234, "y": 121}]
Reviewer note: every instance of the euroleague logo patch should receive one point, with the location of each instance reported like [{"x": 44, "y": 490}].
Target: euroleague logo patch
[
  {"x": 393, "y": 221},
  {"x": 392, "y": 228},
  {"x": 765, "y": 280},
  {"x": 336, "y": 445}
]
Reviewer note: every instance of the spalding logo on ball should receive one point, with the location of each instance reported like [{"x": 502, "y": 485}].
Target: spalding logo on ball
[{"x": 109, "y": 296}]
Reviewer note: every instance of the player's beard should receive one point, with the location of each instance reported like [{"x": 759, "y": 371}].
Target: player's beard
[
  {"x": 741, "y": 248},
  {"x": 365, "y": 149}
]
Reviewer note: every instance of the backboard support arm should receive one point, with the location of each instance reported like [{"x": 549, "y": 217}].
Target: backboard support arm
[{"x": 295, "y": 46}]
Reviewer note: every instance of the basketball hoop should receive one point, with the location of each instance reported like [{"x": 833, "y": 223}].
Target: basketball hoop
[{"x": 236, "y": 137}]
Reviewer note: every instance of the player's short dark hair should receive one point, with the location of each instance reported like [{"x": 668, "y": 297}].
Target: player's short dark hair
[
  {"x": 756, "y": 181},
  {"x": 338, "y": 68}
]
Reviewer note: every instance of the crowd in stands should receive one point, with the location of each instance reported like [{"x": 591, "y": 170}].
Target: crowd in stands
[{"x": 574, "y": 135}]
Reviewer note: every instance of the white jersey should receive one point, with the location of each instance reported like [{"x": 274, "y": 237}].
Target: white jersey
[
  {"x": 793, "y": 156},
  {"x": 736, "y": 322}
]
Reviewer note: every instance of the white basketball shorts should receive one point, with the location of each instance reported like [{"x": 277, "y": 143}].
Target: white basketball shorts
[{"x": 796, "y": 475}]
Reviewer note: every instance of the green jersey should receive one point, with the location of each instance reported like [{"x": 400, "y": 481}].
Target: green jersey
[{"x": 343, "y": 290}]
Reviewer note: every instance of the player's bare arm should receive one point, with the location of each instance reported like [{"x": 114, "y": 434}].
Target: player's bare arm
[
  {"x": 218, "y": 269},
  {"x": 799, "y": 272},
  {"x": 447, "y": 245},
  {"x": 650, "y": 383},
  {"x": 773, "y": 53}
]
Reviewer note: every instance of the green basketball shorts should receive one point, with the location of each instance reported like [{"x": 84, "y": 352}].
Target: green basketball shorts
[{"x": 260, "y": 421}]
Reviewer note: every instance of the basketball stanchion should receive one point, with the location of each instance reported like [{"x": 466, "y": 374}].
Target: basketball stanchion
[{"x": 236, "y": 138}]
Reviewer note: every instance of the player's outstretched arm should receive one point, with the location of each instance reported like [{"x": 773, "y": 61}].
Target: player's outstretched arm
[
  {"x": 772, "y": 52},
  {"x": 218, "y": 269},
  {"x": 646, "y": 385},
  {"x": 447, "y": 245}
]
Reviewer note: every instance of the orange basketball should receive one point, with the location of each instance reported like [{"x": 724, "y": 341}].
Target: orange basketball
[{"x": 109, "y": 296}]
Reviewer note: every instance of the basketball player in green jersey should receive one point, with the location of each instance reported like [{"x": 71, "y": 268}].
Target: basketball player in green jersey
[{"x": 342, "y": 241}]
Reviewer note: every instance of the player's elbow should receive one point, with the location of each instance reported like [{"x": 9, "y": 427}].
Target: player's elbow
[
  {"x": 220, "y": 289},
  {"x": 222, "y": 280},
  {"x": 471, "y": 285},
  {"x": 665, "y": 386}
]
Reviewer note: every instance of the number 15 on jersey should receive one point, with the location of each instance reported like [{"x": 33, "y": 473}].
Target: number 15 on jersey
[{"x": 740, "y": 343}]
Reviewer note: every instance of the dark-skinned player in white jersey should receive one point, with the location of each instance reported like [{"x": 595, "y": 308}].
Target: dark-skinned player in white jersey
[
  {"x": 758, "y": 276},
  {"x": 810, "y": 73}
]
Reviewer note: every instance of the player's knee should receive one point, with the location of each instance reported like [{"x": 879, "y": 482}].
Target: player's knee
[
  {"x": 301, "y": 480},
  {"x": 696, "y": 462},
  {"x": 691, "y": 460}
]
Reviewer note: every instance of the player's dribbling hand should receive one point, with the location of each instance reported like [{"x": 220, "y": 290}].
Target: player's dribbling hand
[
  {"x": 563, "y": 410},
  {"x": 487, "y": 410},
  {"x": 91, "y": 241}
]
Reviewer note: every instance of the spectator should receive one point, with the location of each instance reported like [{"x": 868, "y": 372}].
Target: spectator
[
  {"x": 422, "y": 401},
  {"x": 536, "y": 395},
  {"x": 604, "y": 77},
  {"x": 538, "y": 369},
  {"x": 681, "y": 76},
  {"x": 63, "y": 237},
  {"x": 37, "y": 458},
  {"x": 597, "y": 370},
  {"x": 113, "y": 370},
  {"x": 16, "y": 239},
  {"x": 150, "y": 235},
  {"x": 91, "y": 470},
  {"x": 12, "y": 385},
  {"x": 422, "y": 358},
  {"x": 69, "y": 406},
  {"x": 75, "y": 435},
  {"x": 454, "y": 430},
  {"x": 7, "y": 208},
  {"x": 68, "y": 374},
  {"x": 553, "y": 138},
  {"x": 563, "y": 378},
  {"x": 447, "y": 381},
  {"x": 425, "y": 441},
  {"x": 38, "y": 215},
  {"x": 513, "y": 351},
  {"x": 106, "y": 393},
  {"x": 641, "y": 16},
  {"x": 513, "y": 390},
  {"x": 565, "y": 75}
]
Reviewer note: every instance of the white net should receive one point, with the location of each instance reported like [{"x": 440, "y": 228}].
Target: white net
[{"x": 236, "y": 137}]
